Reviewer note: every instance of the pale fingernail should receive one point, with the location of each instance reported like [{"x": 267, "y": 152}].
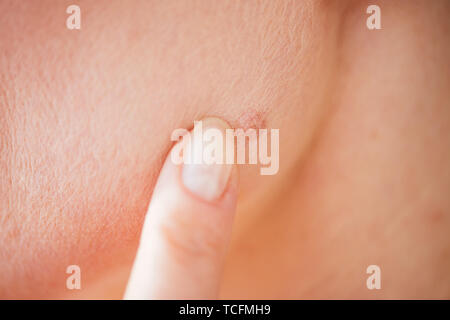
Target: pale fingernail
[{"x": 207, "y": 174}]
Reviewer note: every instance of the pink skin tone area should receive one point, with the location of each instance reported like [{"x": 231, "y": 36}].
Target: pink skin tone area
[{"x": 364, "y": 119}]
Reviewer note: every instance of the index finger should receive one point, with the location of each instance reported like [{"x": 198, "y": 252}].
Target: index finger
[{"x": 186, "y": 231}]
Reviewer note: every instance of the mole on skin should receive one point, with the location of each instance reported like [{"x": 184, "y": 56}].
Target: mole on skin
[{"x": 252, "y": 118}]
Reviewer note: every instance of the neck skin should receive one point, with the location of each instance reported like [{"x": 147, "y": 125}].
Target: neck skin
[
  {"x": 370, "y": 183},
  {"x": 373, "y": 186},
  {"x": 364, "y": 123}
]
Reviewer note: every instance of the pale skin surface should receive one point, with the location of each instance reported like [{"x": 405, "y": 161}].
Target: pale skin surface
[{"x": 364, "y": 119}]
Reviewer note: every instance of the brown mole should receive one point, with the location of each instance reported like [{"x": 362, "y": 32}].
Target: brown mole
[{"x": 252, "y": 118}]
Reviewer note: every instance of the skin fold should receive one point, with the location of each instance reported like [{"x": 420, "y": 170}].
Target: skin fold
[{"x": 364, "y": 119}]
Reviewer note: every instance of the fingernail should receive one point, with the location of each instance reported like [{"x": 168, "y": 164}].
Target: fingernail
[{"x": 207, "y": 175}]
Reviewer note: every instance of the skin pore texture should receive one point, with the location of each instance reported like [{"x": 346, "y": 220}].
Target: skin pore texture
[{"x": 364, "y": 119}]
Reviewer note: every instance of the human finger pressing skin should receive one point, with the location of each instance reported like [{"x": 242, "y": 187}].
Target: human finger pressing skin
[{"x": 186, "y": 230}]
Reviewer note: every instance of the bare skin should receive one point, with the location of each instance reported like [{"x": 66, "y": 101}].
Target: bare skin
[{"x": 364, "y": 119}]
